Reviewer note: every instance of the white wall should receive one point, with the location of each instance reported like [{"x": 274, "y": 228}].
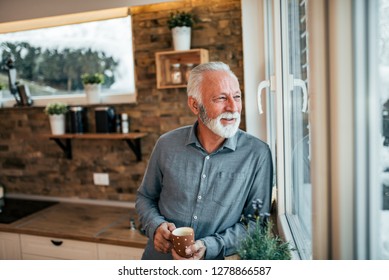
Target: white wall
[{"x": 254, "y": 65}]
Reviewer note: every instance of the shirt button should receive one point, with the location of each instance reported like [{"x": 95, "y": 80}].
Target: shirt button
[
  {"x": 207, "y": 157},
  {"x": 204, "y": 176},
  {"x": 195, "y": 217},
  {"x": 199, "y": 197}
]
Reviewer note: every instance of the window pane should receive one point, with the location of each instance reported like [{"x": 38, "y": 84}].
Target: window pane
[
  {"x": 297, "y": 136},
  {"x": 384, "y": 76},
  {"x": 51, "y": 60}
]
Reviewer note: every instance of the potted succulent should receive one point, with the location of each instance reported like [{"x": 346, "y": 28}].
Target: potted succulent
[
  {"x": 261, "y": 243},
  {"x": 56, "y": 112},
  {"x": 180, "y": 23},
  {"x": 92, "y": 85}
]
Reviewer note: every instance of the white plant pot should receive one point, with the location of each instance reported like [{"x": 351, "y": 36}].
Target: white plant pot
[
  {"x": 181, "y": 38},
  {"x": 92, "y": 92},
  {"x": 57, "y": 124}
]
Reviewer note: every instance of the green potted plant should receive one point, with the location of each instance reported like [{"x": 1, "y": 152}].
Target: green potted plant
[
  {"x": 92, "y": 85},
  {"x": 96, "y": 78},
  {"x": 56, "y": 112},
  {"x": 261, "y": 243},
  {"x": 181, "y": 23}
]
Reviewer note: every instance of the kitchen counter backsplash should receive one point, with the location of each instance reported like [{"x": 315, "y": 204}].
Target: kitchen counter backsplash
[{"x": 30, "y": 163}]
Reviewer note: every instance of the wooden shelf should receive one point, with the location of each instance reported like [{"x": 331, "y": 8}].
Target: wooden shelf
[
  {"x": 133, "y": 139},
  {"x": 164, "y": 60}
]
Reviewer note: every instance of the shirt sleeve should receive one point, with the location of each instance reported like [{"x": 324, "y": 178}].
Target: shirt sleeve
[
  {"x": 227, "y": 243},
  {"x": 148, "y": 196}
]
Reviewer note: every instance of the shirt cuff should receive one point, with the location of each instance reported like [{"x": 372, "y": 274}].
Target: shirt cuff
[
  {"x": 153, "y": 227},
  {"x": 213, "y": 248}
]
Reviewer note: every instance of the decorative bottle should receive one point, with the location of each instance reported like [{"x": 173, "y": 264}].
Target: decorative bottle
[
  {"x": 176, "y": 75},
  {"x": 125, "y": 124}
]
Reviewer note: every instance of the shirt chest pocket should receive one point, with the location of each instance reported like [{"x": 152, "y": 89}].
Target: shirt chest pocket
[{"x": 228, "y": 188}]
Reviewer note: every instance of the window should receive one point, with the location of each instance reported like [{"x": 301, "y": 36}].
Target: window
[
  {"x": 297, "y": 128},
  {"x": 334, "y": 54},
  {"x": 372, "y": 111},
  {"x": 383, "y": 65},
  {"x": 288, "y": 117},
  {"x": 50, "y": 61}
]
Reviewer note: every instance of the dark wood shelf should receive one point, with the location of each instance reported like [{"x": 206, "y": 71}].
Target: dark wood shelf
[{"x": 133, "y": 139}]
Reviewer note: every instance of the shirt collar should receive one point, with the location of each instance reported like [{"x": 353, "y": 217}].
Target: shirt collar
[{"x": 230, "y": 143}]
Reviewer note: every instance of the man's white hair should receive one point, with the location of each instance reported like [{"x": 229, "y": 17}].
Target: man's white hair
[{"x": 197, "y": 74}]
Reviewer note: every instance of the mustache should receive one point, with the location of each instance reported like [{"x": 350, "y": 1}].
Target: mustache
[{"x": 228, "y": 115}]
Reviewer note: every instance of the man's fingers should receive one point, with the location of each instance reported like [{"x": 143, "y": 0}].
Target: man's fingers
[
  {"x": 171, "y": 226},
  {"x": 194, "y": 247},
  {"x": 197, "y": 250},
  {"x": 162, "y": 238}
]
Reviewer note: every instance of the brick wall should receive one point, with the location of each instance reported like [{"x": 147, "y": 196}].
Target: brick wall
[{"x": 30, "y": 163}]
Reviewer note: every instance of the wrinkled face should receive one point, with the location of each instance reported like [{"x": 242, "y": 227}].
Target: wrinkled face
[{"x": 222, "y": 103}]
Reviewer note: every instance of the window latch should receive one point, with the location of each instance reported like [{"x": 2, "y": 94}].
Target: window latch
[
  {"x": 301, "y": 84},
  {"x": 263, "y": 85}
]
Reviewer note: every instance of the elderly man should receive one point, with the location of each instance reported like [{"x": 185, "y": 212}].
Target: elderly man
[{"x": 206, "y": 175}]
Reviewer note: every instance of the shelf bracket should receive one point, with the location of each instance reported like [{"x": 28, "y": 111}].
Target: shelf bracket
[
  {"x": 65, "y": 146},
  {"x": 135, "y": 147},
  {"x": 133, "y": 140}
]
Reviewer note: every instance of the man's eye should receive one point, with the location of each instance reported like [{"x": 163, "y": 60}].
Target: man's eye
[
  {"x": 221, "y": 98},
  {"x": 237, "y": 97}
]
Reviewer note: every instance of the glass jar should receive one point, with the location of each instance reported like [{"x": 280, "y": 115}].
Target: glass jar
[
  {"x": 175, "y": 73},
  {"x": 189, "y": 67},
  {"x": 125, "y": 124}
]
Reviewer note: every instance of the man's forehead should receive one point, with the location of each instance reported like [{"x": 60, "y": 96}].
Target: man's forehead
[{"x": 220, "y": 80}]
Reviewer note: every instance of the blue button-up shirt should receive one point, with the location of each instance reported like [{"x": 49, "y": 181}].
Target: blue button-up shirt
[{"x": 185, "y": 185}]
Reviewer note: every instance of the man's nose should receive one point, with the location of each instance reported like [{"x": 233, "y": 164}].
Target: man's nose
[{"x": 232, "y": 105}]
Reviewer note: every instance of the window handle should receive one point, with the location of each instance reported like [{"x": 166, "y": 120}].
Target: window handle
[
  {"x": 262, "y": 85},
  {"x": 301, "y": 84}
]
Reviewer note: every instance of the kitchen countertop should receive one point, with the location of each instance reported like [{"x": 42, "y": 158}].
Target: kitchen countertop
[{"x": 83, "y": 222}]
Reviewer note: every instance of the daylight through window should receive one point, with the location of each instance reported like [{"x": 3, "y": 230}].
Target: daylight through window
[{"x": 51, "y": 60}]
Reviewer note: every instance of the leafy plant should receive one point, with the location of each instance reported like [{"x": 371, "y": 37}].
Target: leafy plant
[
  {"x": 2, "y": 86},
  {"x": 57, "y": 108},
  {"x": 96, "y": 78},
  {"x": 260, "y": 242},
  {"x": 180, "y": 19}
]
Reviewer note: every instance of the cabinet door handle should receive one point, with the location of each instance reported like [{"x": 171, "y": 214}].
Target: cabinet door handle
[{"x": 57, "y": 242}]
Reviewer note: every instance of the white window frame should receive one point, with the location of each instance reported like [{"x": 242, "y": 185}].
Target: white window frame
[
  {"x": 73, "y": 99},
  {"x": 345, "y": 217},
  {"x": 367, "y": 131}
]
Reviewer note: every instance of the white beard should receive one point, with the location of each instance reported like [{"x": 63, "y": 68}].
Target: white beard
[{"x": 215, "y": 125}]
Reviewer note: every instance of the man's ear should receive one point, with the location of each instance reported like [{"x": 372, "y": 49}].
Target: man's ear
[{"x": 193, "y": 105}]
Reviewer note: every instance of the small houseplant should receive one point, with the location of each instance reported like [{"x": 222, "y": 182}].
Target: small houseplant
[
  {"x": 56, "y": 112},
  {"x": 92, "y": 85},
  {"x": 260, "y": 242},
  {"x": 181, "y": 23},
  {"x": 96, "y": 78}
]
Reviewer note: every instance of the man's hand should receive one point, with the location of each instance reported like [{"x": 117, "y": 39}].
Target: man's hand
[
  {"x": 197, "y": 250},
  {"x": 162, "y": 237}
]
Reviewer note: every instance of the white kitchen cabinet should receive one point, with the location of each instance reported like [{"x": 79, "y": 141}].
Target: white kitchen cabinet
[
  {"x": 9, "y": 246},
  {"x": 39, "y": 247},
  {"x": 114, "y": 252}
]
